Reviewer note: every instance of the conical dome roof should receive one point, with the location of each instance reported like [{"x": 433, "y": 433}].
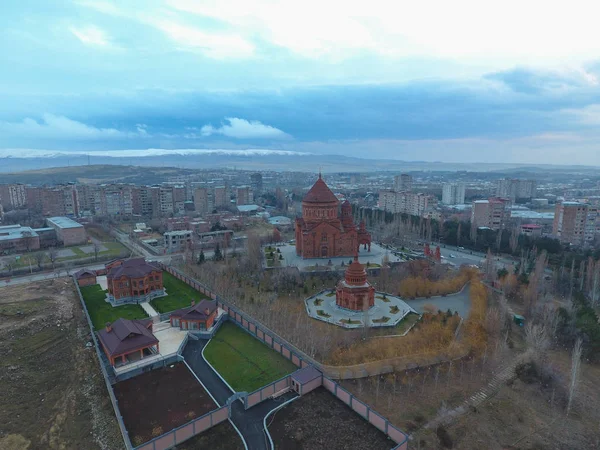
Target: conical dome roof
[
  {"x": 356, "y": 275},
  {"x": 320, "y": 193}
]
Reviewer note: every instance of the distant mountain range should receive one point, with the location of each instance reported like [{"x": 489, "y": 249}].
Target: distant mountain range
[{"x": 122, "y": 164}]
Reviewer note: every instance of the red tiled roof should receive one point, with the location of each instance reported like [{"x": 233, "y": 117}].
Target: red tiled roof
[
  {"x": 132, "y": 268},
  {"x": 320, "y": 193},
  {"x": 84, "y": 273},
  {"x": 126, "y": 336},
  {"x": 196, "y": 312}
]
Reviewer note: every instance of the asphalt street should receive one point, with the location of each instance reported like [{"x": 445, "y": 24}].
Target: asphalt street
[{"x": 249, "y": 422}]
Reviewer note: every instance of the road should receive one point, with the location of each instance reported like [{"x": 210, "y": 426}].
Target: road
[{"x": 249, "y": 422}]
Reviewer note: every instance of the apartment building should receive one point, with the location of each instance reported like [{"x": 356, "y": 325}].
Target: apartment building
[
  {"x": 453, "y": 193},
  {"x": 13, "y": 196},
  {"x": 514, "y": 189},
  {"x": 491, "y": 213},
  {"x": 220, "y": 197},
  {"x": 176, "y": 241},
  {"x": 202, "y": 200},
  {"x": 403, "y": 183},
  {"x": 256, "y": 182},
  {"x": 407, "y": 202},
  {"x": 243, "y": 195},
  {"x": 570, "y": 222}
]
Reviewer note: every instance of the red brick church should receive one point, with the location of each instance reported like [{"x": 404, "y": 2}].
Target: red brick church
[{"x": 325, "y": 229}]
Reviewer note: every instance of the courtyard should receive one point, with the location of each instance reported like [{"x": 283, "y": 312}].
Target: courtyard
[
  {"x": 373, "y": 258},
  {"x": 179, "y": 295},
  {"x": 158, "y": 401},
  {"x": 101, "y": 311},
  {"x": 243, "y": 361},
  {"x": 388, "y": 311}
]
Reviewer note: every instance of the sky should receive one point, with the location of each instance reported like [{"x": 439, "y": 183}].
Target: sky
[{"x": 461, "y": 81}]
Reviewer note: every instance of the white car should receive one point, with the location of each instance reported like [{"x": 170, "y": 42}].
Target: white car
[{"x": 452, "y": 255}]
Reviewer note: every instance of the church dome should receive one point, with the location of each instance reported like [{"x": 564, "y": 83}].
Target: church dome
[
  {"x": 320, "y": 193},
  {"x": 356, "y": 275}
]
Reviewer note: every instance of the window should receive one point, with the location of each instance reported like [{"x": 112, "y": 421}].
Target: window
[{"x": 135, "y": 292}]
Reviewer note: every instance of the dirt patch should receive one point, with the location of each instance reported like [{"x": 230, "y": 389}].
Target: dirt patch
[
  {"x": 156, "y": 402},
  {"x": 321, "y": 421},
  {"x": 52, "y": 394},
  {"x": 220, "y": 437}
]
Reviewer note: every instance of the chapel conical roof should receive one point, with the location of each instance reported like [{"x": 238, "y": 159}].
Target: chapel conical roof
[{"x": 320, "y": 193}]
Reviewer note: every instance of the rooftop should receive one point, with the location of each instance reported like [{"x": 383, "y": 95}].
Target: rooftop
[
  {"x": 63, "y": 222},
  {"x": 320, "y": 193},
  {"x": 196, "y": 312},
  {"x": 132, "y": 268},
  {"x": 125, "y": 336},
  {"x": 248, "y": 208},
  {"x": 9, "y": 232}
]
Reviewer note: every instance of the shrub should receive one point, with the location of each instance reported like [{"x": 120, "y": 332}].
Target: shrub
[{"x": 444, "y": 437}]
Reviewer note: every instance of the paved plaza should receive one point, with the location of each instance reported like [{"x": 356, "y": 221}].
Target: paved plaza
[
  {"x": 387, "y": 311},
  {"x": 374, "y": 257}
]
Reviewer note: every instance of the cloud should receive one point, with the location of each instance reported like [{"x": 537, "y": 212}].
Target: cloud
[
  {"x": 91, "y": 35},
  {"x": 531, "y": 81},
  {"x": 244, "y": 129},
  {"x": 588, "y": 115},
  {"x": 213, "y": 45},
  {"x": 59, "y": 127}
]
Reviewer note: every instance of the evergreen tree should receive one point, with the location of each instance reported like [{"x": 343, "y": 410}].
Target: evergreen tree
[
  {"x": 218, "y": 255},
  {"x": 201, "y": 257}
]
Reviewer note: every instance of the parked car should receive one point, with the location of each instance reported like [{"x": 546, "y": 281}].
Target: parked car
[{"x": 452, "y": 255}]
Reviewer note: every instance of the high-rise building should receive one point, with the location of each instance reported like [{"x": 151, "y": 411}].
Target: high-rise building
[
  {"x": 516, "y": 189},
  {"x": 492, "y": 213},
  {"x": 407, "y": 202},
  {"x": 13, "y": 195},
  {"x": 201, "y": 200},
  {"x": 220, "y": 197},
  {"x": 403, "y": 182},
  {"x": 242, "y": 196},
  {"x": 570, "y": 220},
  {"x": 453, "y": 193},
  {"x": 256, "y": 182}
]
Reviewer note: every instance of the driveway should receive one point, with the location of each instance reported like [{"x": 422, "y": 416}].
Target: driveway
[{"x": 249, "y": 422}]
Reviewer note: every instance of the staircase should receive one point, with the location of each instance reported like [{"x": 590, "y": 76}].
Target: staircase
[{"x": 501, "y": 377}]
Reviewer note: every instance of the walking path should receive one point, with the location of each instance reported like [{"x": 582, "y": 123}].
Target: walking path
[
  {"x": 502, "y": 375},
  {"x": 146, "y": 306},
  {"x": 249, "y": 422}
]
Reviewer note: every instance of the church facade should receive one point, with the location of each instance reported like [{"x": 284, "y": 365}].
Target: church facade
[{"x": 326, "y": 229}]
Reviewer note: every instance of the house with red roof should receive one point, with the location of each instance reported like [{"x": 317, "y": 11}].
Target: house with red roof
[
  {"x": 126, "y": 341},
  {"x": 134, "y": 281},
  {"x": 85, "y": 277},
  {"x": 199, "y": 316}
]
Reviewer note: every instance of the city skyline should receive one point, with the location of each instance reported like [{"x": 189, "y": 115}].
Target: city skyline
[{"x": 381, "y": 81}]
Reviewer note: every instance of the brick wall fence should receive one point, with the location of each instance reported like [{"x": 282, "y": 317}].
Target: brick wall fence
[
  {"x": 105, "y": 374},
  {"x": 298, "y": 358},
  {"x": 186, "y": 431}
]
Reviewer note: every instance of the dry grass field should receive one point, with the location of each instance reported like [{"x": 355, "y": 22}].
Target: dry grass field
[{"x": 52, "y": 394}]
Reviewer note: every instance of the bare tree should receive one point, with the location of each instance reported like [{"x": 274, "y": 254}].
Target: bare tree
[
  {"x": 514, "y": 240},
  {"x": 96, "y": 250},
  {"x": 537, "y": 340},
  {"x": 39, "y": 258},
  {"x": 53, "y": 255},
  {"x": 575, "y": 365}
]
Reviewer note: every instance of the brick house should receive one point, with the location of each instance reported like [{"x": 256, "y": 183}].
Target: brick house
[
  {"x": 199, "y": 316},
  {"x": 125, "y": 341},
  {"x": 134, "y": 281},
  {"x": 85, "y": 277}
]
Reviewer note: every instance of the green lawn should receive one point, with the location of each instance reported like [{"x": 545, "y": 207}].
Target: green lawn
[
  {"x": 179, "y": 295},
  {"x": 102, "y": 312},
  {"x": 243, "y": 361}
]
